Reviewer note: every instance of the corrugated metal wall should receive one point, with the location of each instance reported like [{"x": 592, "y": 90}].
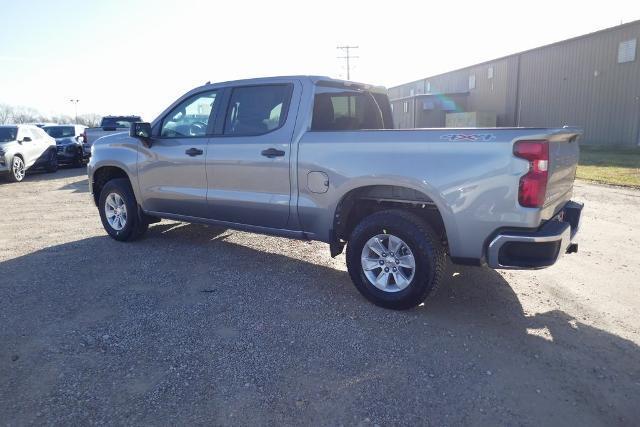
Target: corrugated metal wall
[
  {"x": 403, "y": 120},
  {"x": 491, "y": 95},
  {"x": 581, "y": 83},
  {"x": 576, "y": 82}
]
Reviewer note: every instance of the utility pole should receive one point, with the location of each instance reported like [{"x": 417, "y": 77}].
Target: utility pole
[
  {"x": 348, "y": 58},
  {"x": 75, "y": 102}
]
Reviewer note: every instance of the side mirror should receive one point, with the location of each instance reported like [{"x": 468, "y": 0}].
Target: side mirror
[
  {"x": 25, "y": 139},
  {"x": 140, "y": 130}
]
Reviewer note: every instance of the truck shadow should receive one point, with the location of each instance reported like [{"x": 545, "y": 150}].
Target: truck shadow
[{"x": 296, "y": 331}]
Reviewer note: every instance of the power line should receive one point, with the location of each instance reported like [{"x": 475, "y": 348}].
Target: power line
[{"x": 348, "y": 57}]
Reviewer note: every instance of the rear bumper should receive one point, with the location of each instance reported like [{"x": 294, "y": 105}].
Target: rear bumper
[{"x": 540, "y": 248}]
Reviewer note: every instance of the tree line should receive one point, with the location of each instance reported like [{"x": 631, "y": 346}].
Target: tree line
[{"x": 10, "y": 114}]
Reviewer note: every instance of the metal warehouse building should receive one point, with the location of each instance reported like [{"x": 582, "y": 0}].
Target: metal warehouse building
[{"x": 591, "y": 81}]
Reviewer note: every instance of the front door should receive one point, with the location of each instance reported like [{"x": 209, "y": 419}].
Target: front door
[
  {"x": 248, "y": 163},
  {"x": 171, "y": 169},
  {"x": 34, "y": 149}
]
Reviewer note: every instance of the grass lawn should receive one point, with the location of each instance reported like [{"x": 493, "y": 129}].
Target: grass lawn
[{"x": 610, "y": 165}]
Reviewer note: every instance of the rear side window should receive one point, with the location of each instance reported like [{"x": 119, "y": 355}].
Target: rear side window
[
  {"x": 60, "y": 131},
  {"x": 347, "y": 110},
  {"x": 120, "y": 122},
  {"x": 255, "y": 110}
]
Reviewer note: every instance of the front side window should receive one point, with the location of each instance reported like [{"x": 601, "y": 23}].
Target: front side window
[
  {"x": 336, "y": 111},
  {"x": 254, "y": 110},
  {"x": 190, "y": 118}
]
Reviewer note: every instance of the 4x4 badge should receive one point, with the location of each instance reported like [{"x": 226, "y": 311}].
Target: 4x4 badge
[{"x": 468, "y": 137}]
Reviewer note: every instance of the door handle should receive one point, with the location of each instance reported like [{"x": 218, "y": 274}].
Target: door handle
[
  {"x": 272, "y": 152},
  {"x": 194, "y": 152}
]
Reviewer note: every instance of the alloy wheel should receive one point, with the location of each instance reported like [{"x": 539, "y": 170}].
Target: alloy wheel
[
  {"x": 388, "y": 262},
  {"x": 116, "y": 211},
  {"x": 18, "y": 168}
]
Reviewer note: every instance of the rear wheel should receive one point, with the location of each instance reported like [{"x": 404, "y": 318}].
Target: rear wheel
[
  {"x": 18, "y": 170},
  {"x": 395, "y": 259},
  {"x": 119, "y": 211}
]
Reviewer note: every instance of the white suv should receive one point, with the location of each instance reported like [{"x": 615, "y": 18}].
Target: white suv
[{"x": 23, "y": 147}]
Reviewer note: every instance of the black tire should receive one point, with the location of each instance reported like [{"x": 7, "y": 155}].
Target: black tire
[
  {"x": 13, "y": 177},
  {"x": 427, "y": 249},
  {"x": 78, "y": 161},
  {"x": 52, "y": 164},
  {"x": 135, "y": 225}
]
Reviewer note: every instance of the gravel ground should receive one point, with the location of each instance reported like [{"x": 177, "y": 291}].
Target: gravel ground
[{"x": 201, "y": 325}]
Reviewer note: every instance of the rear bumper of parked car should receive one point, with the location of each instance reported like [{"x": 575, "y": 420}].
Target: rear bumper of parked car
[{"x": 541, "y": 248}]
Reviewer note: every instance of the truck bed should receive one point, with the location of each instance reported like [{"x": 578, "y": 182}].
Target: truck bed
[{"x": 471, "y": 175}]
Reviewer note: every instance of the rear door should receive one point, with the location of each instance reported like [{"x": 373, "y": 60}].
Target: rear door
[
  {"x": 248, "y": 162},
  {"x": 171, "y": 170}
]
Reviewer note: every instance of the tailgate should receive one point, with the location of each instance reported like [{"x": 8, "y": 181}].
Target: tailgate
[{"x": 564, "y": 153}]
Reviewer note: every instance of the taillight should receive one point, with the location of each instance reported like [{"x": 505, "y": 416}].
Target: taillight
[{"x": 533, "y": 185}]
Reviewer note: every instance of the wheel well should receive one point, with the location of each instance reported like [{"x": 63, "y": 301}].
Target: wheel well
[
  {"x": 104, "y": 175},
  {"x": 364, "y": 201}
]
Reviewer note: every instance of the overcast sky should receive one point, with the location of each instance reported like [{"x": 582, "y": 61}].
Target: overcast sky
[{"x": 136, "y": 57}]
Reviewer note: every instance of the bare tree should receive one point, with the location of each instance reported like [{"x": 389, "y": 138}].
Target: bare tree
[
  {"x": 6, "y": 113},
  {"x": 25, "y": 115},
  {"x": 90, "y": 120},
  {"x": 62, "y": 119},
  {"x": 19, "y": 115}
]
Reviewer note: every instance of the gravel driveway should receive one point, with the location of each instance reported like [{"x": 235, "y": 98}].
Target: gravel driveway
[{"x": 199, "y": 325}]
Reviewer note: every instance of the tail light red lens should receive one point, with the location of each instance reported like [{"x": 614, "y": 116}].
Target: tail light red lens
[{"x": 533, "y": 185}]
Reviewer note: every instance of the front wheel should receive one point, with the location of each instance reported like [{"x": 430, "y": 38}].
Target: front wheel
[
  {"x": 395, "y": 259},
  {"x": 18, "y": 169},
  {"x": 119, "y": 211}
]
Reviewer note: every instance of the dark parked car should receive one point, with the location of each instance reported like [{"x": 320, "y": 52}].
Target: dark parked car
[{"x": 69, "y": 143}]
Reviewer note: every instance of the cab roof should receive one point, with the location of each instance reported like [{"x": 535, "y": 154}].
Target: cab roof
[{"x": 315, "y": 79}]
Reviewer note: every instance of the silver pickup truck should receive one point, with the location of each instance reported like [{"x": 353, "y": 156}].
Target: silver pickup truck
[
  {"x": 316, "y": 158},
  {"x": 108, "y": 126}
]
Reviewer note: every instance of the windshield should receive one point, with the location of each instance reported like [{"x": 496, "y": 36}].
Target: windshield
[
  {"x": 60, "y": 131},
  {"x": 118, "y": 122},
  {"x": 8, "y": 134}
]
